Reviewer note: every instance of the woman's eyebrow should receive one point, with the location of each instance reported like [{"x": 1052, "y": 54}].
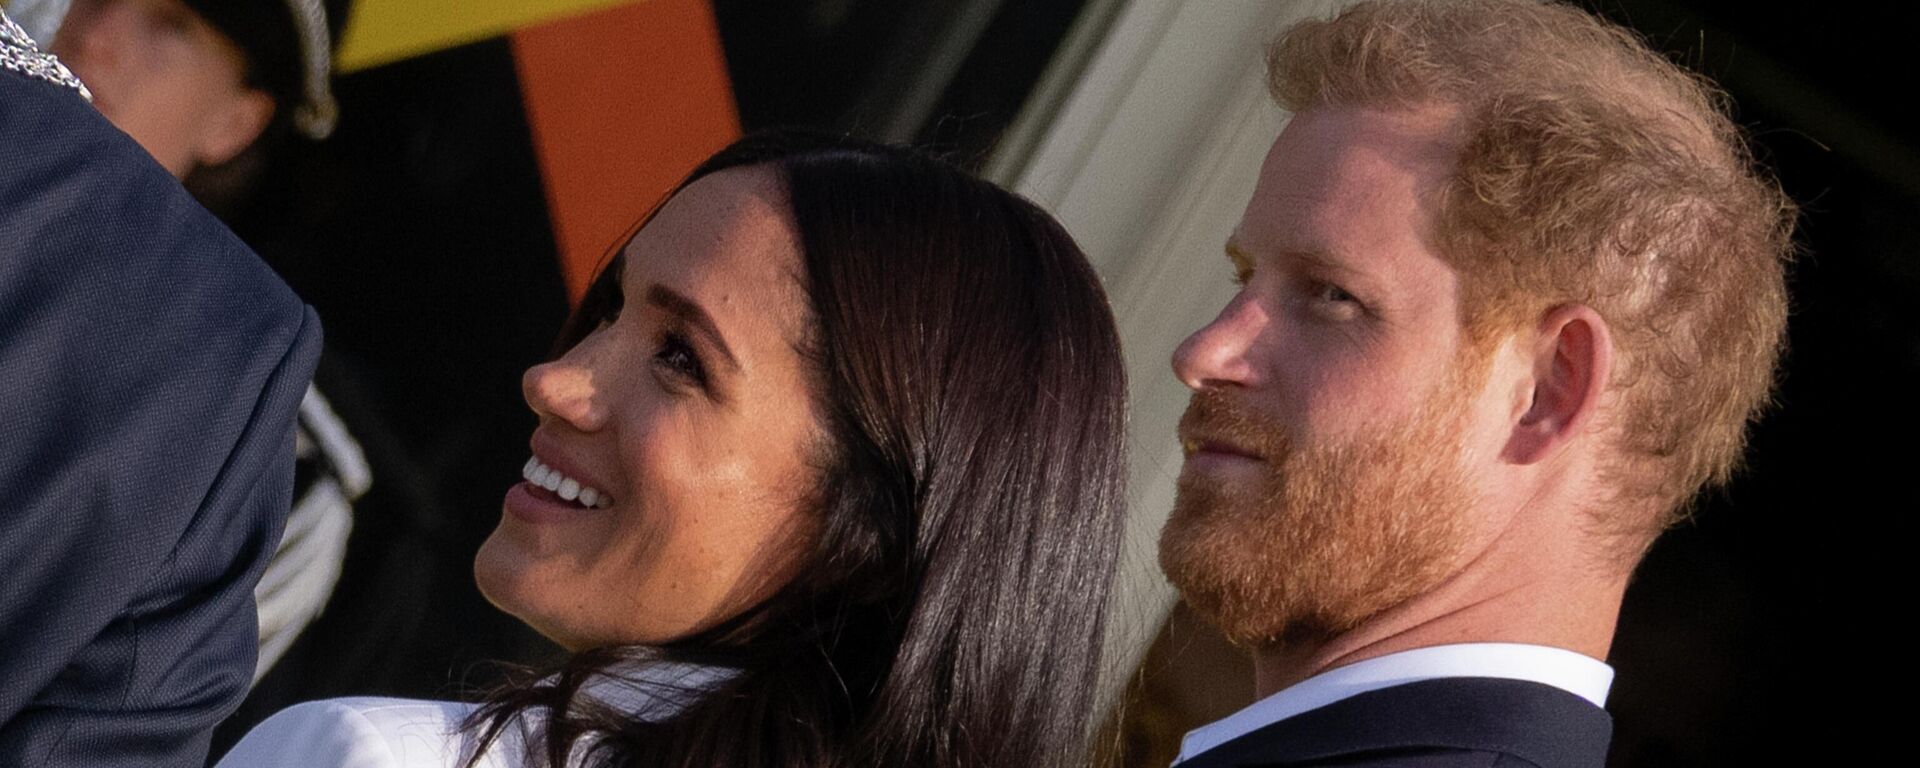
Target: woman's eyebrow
[{"x": 694, "y": 316}]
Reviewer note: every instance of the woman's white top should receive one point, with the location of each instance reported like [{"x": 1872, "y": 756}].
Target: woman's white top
[{"x": 408, "y": 733}]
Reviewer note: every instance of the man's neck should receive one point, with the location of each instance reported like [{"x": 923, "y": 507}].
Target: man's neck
[{"x": 1566, "y": 609}]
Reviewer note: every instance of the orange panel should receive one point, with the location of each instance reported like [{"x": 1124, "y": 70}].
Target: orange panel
[{"x": 623, "y": 103}]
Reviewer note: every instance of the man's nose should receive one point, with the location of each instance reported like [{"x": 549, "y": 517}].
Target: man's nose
[
  {"x": 1220, "y": 353},
  {"x": 565, "y": 390}
]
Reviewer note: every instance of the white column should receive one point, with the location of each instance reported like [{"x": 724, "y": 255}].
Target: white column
[{"x": 1149, "y": 162}]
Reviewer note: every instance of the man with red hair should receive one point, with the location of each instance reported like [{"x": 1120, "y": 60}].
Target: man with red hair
[{"x": 1512, "y": 289}]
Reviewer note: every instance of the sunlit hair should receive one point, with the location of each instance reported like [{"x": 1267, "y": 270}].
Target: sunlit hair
[
  {"x": 951, "y": 610},
  {"x": 1594, "y": 171}
]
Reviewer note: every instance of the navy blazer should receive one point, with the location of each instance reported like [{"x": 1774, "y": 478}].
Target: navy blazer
[
  {"x": 150, "y": 371},
  {"x": 1444, "y": 723}
]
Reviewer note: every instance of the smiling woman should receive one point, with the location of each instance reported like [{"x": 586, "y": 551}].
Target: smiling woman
[
  {"x": 828, "y": 472},
  {"x": 687, "y": 414}
]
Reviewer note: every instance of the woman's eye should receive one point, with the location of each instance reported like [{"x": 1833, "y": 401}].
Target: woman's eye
[{"x": 677, "y": 357}]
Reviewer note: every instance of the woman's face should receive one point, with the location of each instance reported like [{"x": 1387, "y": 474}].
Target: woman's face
[{"x": 676, "y": 439}]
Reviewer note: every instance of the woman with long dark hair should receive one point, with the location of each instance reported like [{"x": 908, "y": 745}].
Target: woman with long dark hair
[{"x": 829, "y": 472}]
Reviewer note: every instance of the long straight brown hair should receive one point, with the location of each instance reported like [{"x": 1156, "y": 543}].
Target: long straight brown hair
[{"x": 951, "y": 611}]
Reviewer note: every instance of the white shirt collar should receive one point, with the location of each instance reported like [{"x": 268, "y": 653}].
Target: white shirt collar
[
  {"x": 654, "y": 689},
  {"x": 1579, "y": 675}
]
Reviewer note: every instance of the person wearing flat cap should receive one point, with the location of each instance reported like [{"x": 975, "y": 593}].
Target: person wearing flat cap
[{"x": 198, "y": 82}]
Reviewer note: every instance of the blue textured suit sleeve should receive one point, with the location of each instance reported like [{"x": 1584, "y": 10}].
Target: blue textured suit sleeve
[{"x": 150, "y": 372}]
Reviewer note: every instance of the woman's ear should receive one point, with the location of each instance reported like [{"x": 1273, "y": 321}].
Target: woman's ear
[
  {"x": 233, "y": 127},
  {"x": 1572, "y": 358}
]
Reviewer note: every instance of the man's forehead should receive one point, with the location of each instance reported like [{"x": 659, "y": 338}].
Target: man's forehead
[
  {"x": 1326, "y": 149},
  {"x": 1352, "y": 188}
]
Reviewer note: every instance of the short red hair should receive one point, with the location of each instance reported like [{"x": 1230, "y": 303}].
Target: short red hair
[{"x": 1592, "y": 170}]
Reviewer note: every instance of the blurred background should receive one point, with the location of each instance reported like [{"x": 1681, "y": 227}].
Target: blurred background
[{"x": 489, "y": 154}]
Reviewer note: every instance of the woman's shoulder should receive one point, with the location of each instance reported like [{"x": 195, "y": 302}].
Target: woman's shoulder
[
  {"x": 370, "y": 732},
  {"x": 366, "y": 732}
]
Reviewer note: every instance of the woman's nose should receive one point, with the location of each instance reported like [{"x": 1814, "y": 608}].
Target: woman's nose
[{"x": 565, "y": 390}]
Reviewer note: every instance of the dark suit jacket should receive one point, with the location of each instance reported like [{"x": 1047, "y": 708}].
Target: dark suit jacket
[
  {"x": 150, "y": 371},
  {"x": 1468, "y": 721}
]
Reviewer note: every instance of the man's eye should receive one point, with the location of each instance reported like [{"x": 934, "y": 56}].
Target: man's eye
[
  {"x": 1331, "y": 293},
  {"x": 1333, "y": 302}
]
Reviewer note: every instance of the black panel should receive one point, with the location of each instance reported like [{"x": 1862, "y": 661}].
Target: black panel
[
  {"x": 1757, "y": 634},
  {"x": 850, "y": 65},
  {"x": 420, "y": 234}
]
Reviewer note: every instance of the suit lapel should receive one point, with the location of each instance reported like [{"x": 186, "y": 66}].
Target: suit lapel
[{"x": 1537, "y": 723}]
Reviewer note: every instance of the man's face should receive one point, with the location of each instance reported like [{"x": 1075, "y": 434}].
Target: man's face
[
  {"x": 1334, "y": 422},
  {"x": 166, "y": 77}
]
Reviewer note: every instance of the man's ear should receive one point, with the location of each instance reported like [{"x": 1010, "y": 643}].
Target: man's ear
[
  {"x": 233, "y": 127},
  {"x": 1572, "y": 357}
]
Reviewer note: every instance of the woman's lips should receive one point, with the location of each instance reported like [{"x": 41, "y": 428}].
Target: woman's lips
[
  {"x": 548, "y": 495},
  {"x": 563, "y": 487},
  {"x": 533, "y": 504}
]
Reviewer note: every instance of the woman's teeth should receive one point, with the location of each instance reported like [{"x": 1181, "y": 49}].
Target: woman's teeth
[{"x": 565, "y": 487}]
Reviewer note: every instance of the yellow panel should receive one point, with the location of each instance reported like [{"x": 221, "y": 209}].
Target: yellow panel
[{"x": 382, "y": 31}]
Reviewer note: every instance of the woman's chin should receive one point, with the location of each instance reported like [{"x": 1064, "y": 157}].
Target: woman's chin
[
  {"x": 507, "y": 578},
  {"x": 512, "y": 579},
  {"x": 520, "y": 567},
  {"x": 540, "y": 575}
]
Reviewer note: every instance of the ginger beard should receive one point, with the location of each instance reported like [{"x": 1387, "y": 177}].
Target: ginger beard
[{"x": 1332, "y": 533}]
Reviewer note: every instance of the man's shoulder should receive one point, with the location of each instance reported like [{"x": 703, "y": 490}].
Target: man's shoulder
[{"x": 1443, "y": 722}]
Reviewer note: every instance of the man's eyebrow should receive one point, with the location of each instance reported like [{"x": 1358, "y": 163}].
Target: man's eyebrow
[
  {"x": 694, "y": 316},
  {"x": 1319, "y": 259}
]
